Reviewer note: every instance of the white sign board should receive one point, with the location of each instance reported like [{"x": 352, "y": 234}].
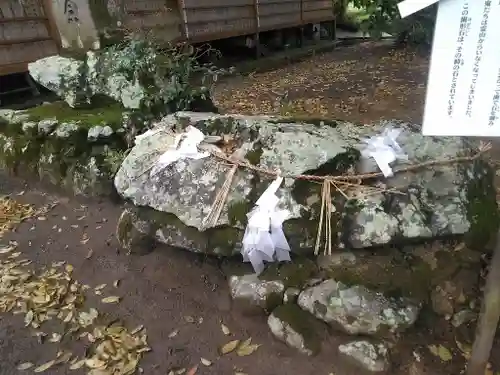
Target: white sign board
[
  {"x": 408, "y": 7},
  {"x": 463, "y": 89}
]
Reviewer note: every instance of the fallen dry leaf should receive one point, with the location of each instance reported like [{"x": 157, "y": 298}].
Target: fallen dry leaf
[
  {"x": 174, "y": 333},
  {"x": 25, "y": 366},
  {"x": 137, "y": 329},
  {"x": 55, "y": 337},
  {"x": 192, "y": 371},
  {"x": 247, "y": 348},
  {"x": 111, "y": 299},
  {"x": 205, "y": 362},
  {"x": 77, "y": 365},
  {"x": 6, "y": 249},
  {"x": 225, "y": 329},
  {"x": 89, "y": 254},
  {"x": 44, "y": 367},
  {"x": 229, "y": 347},
  {"x": 116, "y": 283}
]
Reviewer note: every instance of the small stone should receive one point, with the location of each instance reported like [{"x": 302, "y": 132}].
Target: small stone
[
  {"x": 99, "y": 132},
  {"x": 296, "y": 328},
  {"x": 369, "y": 356},
  {"x": 463, "y": 317},
  {"x": 291, "y": 295},
  {"x": 29, "y": 126},
  {"x": 358, "y": 310},
  {"x": 255, "y": 295},
  {"x": 66, "y": 129},
  {"x": 46, "y": 126},
  {"x": 134, "y": 235}
]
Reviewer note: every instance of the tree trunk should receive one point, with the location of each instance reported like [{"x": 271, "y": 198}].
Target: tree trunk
[{"x": 488, "y": 318}]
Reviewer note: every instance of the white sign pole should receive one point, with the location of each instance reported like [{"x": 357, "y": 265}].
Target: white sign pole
[{"x": 463, "y": 89}]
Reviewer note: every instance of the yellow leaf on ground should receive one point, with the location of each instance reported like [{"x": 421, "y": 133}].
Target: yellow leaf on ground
[
  {"x": 229, "y": 347},
  {"x": 247, "y": 348}
]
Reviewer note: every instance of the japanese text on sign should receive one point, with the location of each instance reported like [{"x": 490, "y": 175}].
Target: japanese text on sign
[{"x": 463, "y": 90}]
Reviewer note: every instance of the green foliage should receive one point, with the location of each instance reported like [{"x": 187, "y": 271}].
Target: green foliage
[
  {"x": 172, "y": 75},
  {"x": 384, "y": 17}
]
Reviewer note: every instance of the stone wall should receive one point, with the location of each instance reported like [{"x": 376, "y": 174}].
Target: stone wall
[{"x": 79, "y": 150}]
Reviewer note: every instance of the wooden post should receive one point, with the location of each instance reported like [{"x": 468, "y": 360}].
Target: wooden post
[
  {"x": 488, "y": 318},
  {"x": 48, "y": 9}
]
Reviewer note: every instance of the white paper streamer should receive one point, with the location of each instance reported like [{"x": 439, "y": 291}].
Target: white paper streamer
[
  {"x": 384, "y": 150},
  {"x": 264, "y": 239},
  {"x": 185, "y": 147}
]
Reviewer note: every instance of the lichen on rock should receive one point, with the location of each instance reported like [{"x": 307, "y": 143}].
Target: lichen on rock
[
  {"x": 373, "y": 357},
  {"x": 358, "y": 310},
  {"x": 251, "y": 294},
  {"x": 429, "y": 202},
  {"x": 297, "y": 328}
]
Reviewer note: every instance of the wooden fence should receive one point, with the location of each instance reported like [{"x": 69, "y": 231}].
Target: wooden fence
[{"x": 27, "y": 33}]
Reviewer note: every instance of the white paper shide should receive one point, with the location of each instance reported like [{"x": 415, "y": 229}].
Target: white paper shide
[
  {"x": 185, "y": 147},
  {"x": 384, "y": 150},
  {"x": 264, "y": 240}
]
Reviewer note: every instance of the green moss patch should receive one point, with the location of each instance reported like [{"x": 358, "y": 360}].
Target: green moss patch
[
  {"x": 294, "y": 274},
  {"x": 109, "y": 113},
  {"x": 482, "y": 208}
]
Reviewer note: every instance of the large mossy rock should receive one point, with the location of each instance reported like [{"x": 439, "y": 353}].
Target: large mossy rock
[
  {"x": 76, "y": 149},
  {"x": 446, "y": 199},
  {"x": 136, "y": 74}
]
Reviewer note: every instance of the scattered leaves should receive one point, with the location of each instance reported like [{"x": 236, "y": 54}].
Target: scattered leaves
[
  {"x": 13, "y": 213},
  {"x": 440, "y": 351},
  {"x": 229, "y": 347},
  {"x": 53, "y": 294}
]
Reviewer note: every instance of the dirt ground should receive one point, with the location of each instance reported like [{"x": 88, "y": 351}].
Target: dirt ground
[
  {"x": 360, "y": 83},
  {"x": 182, "y": 299}
]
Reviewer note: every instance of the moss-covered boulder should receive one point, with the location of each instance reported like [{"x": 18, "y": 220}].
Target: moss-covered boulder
[
  {"x": 442, "y": 200},
  {"x": 77, "y": 149},
  {"x": 358, "y": 310},
  {"x": 135, "y": 72}
]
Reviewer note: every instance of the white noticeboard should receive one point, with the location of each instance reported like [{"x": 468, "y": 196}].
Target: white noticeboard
[{"x": 463, "y": 89}]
